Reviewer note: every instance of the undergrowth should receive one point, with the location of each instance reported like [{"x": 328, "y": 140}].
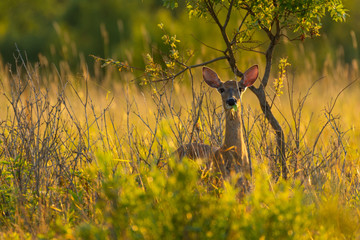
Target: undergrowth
[{"x": 76, "y": 164}]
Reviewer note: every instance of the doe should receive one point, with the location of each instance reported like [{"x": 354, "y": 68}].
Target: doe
[{"x": 231, "y": 158}]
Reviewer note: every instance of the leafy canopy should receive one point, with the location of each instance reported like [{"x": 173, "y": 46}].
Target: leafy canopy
[{"x": 303, "y": 17}]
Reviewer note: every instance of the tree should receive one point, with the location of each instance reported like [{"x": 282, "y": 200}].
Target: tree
[
  {"x": 294, "y": 20},
  {"x": 276, "y": 19}
]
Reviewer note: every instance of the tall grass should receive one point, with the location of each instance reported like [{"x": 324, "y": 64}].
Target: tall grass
[{"x": 87, "y": 156}]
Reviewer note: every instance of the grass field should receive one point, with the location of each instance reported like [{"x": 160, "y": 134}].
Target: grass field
[{"x": 86, "y": 156}]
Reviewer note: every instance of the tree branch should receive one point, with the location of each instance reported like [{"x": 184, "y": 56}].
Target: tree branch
[
  {"x": 274, "y": 39},
  {"x": 228, "y": 52},
  {"x": 206, "y": 45},
  {"x": 190, "y": 67},
  {"x": 239, "y": 28},
  {"x": 228, "y": 14}
]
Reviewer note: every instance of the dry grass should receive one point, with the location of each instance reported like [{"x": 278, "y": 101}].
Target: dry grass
[{"x": 56, "y": 124}]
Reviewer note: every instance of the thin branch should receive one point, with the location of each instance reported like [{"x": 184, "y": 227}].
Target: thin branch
[
  {"x": 329, "y": 112},
  {"x": 213, "y": 14},
  {"x": 297, "y": 38},
  {"x": 251, "y": 49},
  {"x": 265, "y": 29},
  {"x": 239, "y": 28},
  {"x": 228, "y": 14},
  {"x": 228, "y": 52},
  {"x": 190, "y": 67},
  {"x": 206, "y": 45},
  {"x": 338, "y": 95},
  {"x": 274, "y": 39}
]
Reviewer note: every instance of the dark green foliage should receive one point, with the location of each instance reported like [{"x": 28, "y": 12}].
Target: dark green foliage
[
  {"x": 299, "y": 16},
  {"x": 179, "y": 207},
  {"x": 64, "y": 29}
]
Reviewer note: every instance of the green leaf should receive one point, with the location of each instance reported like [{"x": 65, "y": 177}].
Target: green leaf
[
  {"x": 235, "y": 108},
  {"x": 171, "y": 3}
]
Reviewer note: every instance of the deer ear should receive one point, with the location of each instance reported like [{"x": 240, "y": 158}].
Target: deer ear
[
  {"x": 211, "y": 77},
  {"x": 250, "y": 76}
]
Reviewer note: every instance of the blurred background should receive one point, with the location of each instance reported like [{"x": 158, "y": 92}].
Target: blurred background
[{"x": 72, "y": 30}]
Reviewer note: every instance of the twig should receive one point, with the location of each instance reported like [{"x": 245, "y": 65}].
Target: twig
[{"x": 188, "y": 68}]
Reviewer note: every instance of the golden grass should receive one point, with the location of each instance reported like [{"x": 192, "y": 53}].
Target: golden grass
[{"x": 129, "y": 128}]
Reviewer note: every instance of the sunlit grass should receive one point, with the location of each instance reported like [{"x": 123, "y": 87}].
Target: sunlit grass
[{"x": 109, "y": 176}]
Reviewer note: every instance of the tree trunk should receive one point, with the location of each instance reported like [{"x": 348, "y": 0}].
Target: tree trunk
[{"x": 280, "y": 139}]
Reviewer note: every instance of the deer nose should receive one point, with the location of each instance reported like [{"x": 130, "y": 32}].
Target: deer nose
[{"x": 231, "y": 101}]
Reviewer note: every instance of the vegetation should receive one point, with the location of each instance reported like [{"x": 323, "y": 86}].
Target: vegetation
[
  {"x": 86, "y": 153},
  {"x": 277, "y": 20}
]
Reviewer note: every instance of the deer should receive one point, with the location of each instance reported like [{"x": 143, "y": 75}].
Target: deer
[{"x": 231, "y": 158}]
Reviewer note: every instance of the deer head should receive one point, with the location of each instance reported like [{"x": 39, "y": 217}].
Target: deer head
[{"x": 231, "y": 90}]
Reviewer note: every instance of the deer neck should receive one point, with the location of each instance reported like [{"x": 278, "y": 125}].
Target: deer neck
[
  {"x": 234, "y": 133},
  {"x": 233, "y": 129}
]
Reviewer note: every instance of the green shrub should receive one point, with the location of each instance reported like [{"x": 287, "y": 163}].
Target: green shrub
[{"x": 152, "y": 205}]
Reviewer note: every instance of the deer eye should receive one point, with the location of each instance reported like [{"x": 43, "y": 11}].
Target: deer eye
[{"x": 221, "y": 90}]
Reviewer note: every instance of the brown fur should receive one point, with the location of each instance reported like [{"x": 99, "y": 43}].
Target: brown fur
[{"x": 231, "y": 159}]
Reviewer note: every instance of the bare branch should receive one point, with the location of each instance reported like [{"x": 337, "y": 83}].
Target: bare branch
[
  {"x": 213, "y": 14},
  {"x": 239, "y": 28},
  {"x": 228, "y": 14},
  {"x": 338, "y": 95},
  {"x": 228, "y": 52},
  {"x": 190, "y": 67},
  {"x": 206, "y": 45},
  {"x": 274, "y": 39}
]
